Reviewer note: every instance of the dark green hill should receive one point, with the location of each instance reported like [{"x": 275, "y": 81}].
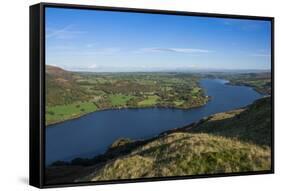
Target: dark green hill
[
  {"x": 235, "y": 141},
  {"x": 252, "y": 124},
  {"x": 62, "y": 87}
]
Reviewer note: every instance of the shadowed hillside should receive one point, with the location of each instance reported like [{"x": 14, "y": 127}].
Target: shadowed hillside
[
  {"x": 252, "y": 124},
  {"x": 62, "y": 87},
  {"x": 235, "y": 141}
]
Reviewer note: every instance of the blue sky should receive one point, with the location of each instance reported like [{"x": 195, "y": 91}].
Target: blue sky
[{"x": 103, "y": 41}]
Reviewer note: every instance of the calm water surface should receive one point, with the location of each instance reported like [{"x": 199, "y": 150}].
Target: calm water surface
[{"x": 92, "y": 134}]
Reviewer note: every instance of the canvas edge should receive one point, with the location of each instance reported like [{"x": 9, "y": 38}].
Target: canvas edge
[{"x": 37, "y": 90}]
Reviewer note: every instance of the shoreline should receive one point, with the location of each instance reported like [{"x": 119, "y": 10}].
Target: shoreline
[
  {"x": 246, "y": 85},
  {"x": 120, "y": 108},
  {"x": 150, "y": 107},
  {"x": 163, "y": 133},
  {"x": 176, "y": 129}
]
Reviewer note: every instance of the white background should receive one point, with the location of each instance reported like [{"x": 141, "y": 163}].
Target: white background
[{"x": 14, "y": 87}]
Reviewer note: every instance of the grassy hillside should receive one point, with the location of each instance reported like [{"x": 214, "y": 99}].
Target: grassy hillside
[
  {"x": 260, "y": 81},
  {"x": 72, "y": 94},
  {"x": 61, "y": 87},
  {"x": 179, "y": 154},
  {"x": 235, "y": 141},
  {"x": 251, "y": 124},
  {"x": 65, "y": 99}
]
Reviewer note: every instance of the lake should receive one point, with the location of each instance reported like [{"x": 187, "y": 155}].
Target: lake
[{"x": 92, "y": 134}]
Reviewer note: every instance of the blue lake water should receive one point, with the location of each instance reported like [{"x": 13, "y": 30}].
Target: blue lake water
[{"x": 92, "y": 134}]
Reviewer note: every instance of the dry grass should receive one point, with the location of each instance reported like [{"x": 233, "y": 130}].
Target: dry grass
[
  {"x": 235, "y": 141},
  {"x": 180, "y": 154}
]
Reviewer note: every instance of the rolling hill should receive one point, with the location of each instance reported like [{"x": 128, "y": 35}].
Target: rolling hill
[
  {"x": 62, "y": 87},
  {"x": 234, "y": 141}
]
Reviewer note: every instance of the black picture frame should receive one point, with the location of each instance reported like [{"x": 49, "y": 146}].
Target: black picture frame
[{"x": 37, "y": 92}]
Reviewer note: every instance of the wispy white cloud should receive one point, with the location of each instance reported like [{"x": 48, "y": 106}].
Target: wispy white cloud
[
  {"x": 93, "y": 66},
  {"x": 176, "y": 50},
  {"x": 66, "y": 32},
  {"x": 90, "y": 49}
]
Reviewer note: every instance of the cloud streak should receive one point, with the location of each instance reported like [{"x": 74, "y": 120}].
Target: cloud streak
[
  {"x": 66, "y": 32},
  {"x": 176, "y": 50}
]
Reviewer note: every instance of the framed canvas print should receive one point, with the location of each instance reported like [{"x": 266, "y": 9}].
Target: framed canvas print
[{"x": 127, "y": 95}]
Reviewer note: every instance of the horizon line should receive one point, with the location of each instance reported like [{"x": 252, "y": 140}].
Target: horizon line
[{"x": 83, "y": 70}]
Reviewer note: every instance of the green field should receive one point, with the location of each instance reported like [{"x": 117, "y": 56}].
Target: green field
[
  {"x": 119, "y": 100},
  {"x": 98, "y": 91},
  {"x": 178, "y": 102},
  {"x": 63, "y": 112},
  {"x": 149, "y": 101}
]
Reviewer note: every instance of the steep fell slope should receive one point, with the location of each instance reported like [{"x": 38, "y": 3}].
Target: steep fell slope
[
  {"x": 61, "y": 87},
  {"x": 234, "y": 141}
]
